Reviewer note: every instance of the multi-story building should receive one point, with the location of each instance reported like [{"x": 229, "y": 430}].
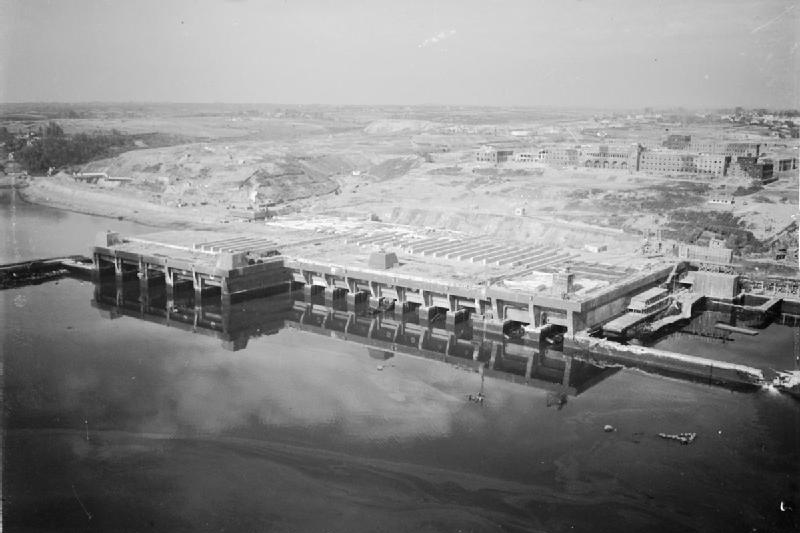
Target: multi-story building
[
  {"x": 492, "y": 154},
  {"x": 611, "y": 157},
  {"x": 666, "y": 162},
  {"x": 753, "y": 168},
  {"x": 735, "y": 149},
  {"x": 560, "y": 156}
]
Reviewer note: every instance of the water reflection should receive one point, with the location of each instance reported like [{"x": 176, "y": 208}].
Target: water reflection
[{"x": 534, "y": 363}]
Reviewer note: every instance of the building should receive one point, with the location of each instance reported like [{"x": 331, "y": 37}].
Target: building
[
  {"x": 753, "y": 168},
  {"x": 724, "y": 199},
  {"x": 610, "y": 157},
  {"x": 667, "y": 162},
  {"x": 494, "y": 155},
  {"x": 712, "y": 164},
  {"x": 677, "y": 142},
  {"x": 560, "y": 156},
  {"x": 735, "y": 149}
]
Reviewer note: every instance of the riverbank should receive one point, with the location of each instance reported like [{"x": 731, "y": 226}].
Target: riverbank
[{"x": 81, "y": 199}]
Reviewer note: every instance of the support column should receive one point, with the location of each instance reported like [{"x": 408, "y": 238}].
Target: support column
[
  {"x": 400, "y": 309},
  {"x": 144, "y": 286},
  {"x": 567, "y": 371},
  {"x": 529, "y": 366},
  {"x": 197, "y": 283},
  {"x": 169, "y": 285},
  {"x": 456, "y": 316},
  {"x": 496, "y": 347},
  {"x": 118, "y": 269},
  {"x": 333, "y": 293},
  {"x": 376, "y": 323},
  {"x": 426, "y": 314},
  {"x": 423, "y": 338},
  {"x": 355, "y": 298}
]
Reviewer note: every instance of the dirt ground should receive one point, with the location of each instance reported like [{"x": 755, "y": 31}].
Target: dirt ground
[{"x": 361, "y": 165}]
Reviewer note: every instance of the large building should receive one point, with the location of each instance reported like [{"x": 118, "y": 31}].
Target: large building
[
  {"x": 753, "y": 168},
  {"x": 560, "y": 156},
  {"x": 680, "y": 162},
  {"x": 492, "y": 154},
  {"x": 610, "y": 157}
]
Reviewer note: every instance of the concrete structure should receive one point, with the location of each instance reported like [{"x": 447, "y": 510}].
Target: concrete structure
[
  {"x": 718, "y": 285},
  {"x": 705, "y": 254},
  {"x": 524, "y": 286}
]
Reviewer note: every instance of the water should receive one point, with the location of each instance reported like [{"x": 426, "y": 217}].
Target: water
[{"x": 126, "y": 424}]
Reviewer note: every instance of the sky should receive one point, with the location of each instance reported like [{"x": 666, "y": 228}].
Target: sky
[{"x": 570, "y": 53}]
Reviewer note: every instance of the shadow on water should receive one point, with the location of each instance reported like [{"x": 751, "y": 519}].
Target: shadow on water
[{"x": 385, "y": 333}]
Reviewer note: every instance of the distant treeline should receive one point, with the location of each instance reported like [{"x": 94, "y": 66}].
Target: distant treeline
[{"x": 50, "y": 147}]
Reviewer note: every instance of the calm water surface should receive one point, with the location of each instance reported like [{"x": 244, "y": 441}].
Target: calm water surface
[{"x": 128, "y": 425}]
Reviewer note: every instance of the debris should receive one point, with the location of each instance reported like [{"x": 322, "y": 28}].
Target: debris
[
  {"x": 683, "y": 438},
  {"x": 608, "y": 428},
  {"x": 380, "y": 367},
  {"x": 477, "y": 398}
]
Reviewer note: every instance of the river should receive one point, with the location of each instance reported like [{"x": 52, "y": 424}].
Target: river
[{"x": 127, "y": 425}]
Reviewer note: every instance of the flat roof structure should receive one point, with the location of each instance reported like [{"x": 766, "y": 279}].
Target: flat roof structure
[{"x": 500, "y": 280}]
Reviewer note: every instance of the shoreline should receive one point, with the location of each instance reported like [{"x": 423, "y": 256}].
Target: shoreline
[{"x": 101, "y": 204}]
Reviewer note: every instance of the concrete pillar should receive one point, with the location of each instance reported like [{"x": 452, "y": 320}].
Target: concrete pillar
[
  {"x": 400, "y": 309},
  {"x": 169, "y": 282},
  {"x": 529, "y": 366},
  {"x": 476, "y": 353},
  {"x": 351, "y": 317},
  {"x": 333, "y": 293},
  {"x": 197, "y": 283},
  {"x": 355, "y": 298},
  {"x": 496, "y": 354},
  {"x": 399, "y": 330},
  {"x": 144, "y": 287},
  {"x": 451, "y": 343},
  {"x": 456, "y": 316},
  {"x": 423, "y": 339},
  {"x": 567, "y": 371},
  {"x": 426, "y": 314},
  {"x": 376, "y": 323},
  {"x": 306, "y": 313}
]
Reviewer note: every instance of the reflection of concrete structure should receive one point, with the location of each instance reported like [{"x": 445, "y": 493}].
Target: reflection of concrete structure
[
  {"x": 233, "y": 324},
  {"x": 524, "y": 362}
]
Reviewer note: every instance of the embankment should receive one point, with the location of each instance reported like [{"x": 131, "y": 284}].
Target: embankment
[{"x": 605, "y": 352}]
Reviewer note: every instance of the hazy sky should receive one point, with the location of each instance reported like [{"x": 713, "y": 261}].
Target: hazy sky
[{"x": 489, "y": 52}]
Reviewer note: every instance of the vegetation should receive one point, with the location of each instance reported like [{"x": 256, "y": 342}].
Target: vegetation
[
  {"x": 49, "y": 147},
  {"x": 688, "y": 225}
]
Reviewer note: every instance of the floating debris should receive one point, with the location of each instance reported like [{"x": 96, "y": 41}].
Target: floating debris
[
  {"x": 608, "y": 428},
  {"x": 476, "y": 398},
  {"x": 683, "y": 438}
]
